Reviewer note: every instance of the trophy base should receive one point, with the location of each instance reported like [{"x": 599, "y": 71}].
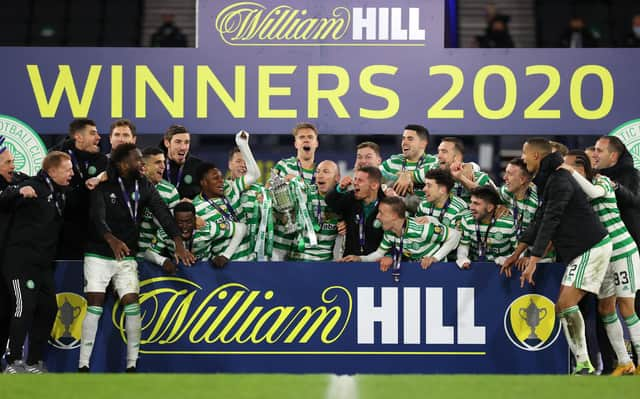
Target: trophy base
[{"x": 532, "y": 341}]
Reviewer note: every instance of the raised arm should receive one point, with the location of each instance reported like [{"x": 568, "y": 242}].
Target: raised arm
[
  {"x": 253, "y": 172},
  {"x": 591, "y": 190}
]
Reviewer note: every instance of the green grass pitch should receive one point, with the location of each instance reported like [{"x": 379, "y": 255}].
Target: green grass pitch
[{"x": 281, "y": 386}]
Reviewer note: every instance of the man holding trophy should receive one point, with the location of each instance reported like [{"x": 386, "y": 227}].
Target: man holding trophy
[
  {"x": 302, "y": 165},
  {"x": 324, "y": 220}
]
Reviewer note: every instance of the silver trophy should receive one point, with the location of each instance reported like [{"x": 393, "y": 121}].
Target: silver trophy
[
  {"x": 532, "y": 315},
  {"x": 282, "y": 202}
]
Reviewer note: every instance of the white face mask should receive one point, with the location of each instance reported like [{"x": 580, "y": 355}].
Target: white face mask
[{"x": 636, "y": 31}]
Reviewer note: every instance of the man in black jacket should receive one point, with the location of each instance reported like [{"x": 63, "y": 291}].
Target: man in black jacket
[
  {"x": 612, "y": 159},
  {"x": 38, "y": 205},
  {"x": 82, "y": 147},
  {"x": 8, "y": 177},
  {"x": 359, "y": 209},
  {"x": 117, "y": 207},
  {"x": 565, "y": 218},
  {"x": 180, "y": 169}
]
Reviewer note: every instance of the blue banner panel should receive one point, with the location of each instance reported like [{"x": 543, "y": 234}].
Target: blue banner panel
[
  {"x": 342, "y": 90},
  {"x": 323, "y": 318},
  {"x": 356, "y": 67}
]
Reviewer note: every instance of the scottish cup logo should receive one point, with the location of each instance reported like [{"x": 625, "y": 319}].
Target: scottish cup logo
[
  {"x": 530, "y": 322},
  {"x": 24, "y": 143},
  {"x": 67, "y": 329}
]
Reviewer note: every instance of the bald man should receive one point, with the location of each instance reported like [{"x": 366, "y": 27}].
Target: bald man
[{"x": 324, "y": 219}]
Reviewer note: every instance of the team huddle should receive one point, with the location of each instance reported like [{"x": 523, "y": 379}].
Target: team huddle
[{"x": 162, "y": 205}]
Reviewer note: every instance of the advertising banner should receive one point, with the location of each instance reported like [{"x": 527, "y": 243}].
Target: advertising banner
[
  {"x": 323, "y": 318},
  {"x": 357, "y": 67}
]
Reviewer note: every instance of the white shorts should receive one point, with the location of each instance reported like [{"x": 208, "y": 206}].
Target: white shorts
[
  {"x": 621, "y": 279},
  {"x": 587, "y": 271},
  {"x": 98, "y": 272}
]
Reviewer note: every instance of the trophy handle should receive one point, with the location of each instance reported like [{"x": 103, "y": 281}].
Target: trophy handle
[
  {"x": 543, "y": 313},
  {"x": 522, "y": 313},
  {"x": 79, "y": 309}
]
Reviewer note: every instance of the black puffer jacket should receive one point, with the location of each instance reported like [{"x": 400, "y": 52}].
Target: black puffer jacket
[
  {"x": 564, "y": 216},
  {"x": 6, "y": 216},
  {"x": 627, "y": 178}
]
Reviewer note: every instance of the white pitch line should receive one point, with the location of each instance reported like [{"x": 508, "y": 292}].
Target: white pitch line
[{"x": 342, "y": 387}]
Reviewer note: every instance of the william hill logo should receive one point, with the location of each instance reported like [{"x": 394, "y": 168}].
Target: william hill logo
[
  {"x": 254, "y": 24},
  {"x": 180, "y": 317},
  {"x": 530, "y": 322}
]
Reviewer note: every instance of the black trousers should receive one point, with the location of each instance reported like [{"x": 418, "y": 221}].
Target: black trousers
[
  {"x": 6, "y": 309},
  {"x": 33, "y": 299}
]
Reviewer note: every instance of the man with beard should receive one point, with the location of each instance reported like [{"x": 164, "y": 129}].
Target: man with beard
[
  {"x": 116, "y": 214},
  {"x": 612, "y": 159},
  {"x": 198, "y": 241},
  {"x": 486, "y": 237},
  {"x": 88, "y": 162},
  {"x": 620, "y": 282},
  {"x": 359, "y": 208},
  {"x": 324, "y": 219},
  {"x": 467, "y": 176},
  {"x": 415, "y": 139},
  {"x": 9, "y": 178},
  {"x": 581, "y": 241},
  {"x": 180, "y": 165},
  {"x": 38, "y": 206}
]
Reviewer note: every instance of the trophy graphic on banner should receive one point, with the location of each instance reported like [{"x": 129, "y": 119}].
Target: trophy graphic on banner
[
  {"x": 532, "y": 315},
  {"x": 282, "y": 201},
  {"x": 68, "y": 313}
]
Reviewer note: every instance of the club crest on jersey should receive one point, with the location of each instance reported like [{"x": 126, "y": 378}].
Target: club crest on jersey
[{"x": 112, "y": 197}]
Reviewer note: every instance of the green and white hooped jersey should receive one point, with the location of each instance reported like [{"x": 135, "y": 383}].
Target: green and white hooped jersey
[
  {"x": 201, "y": 243},
  {"x": 204, "y": 209},
  {"x": 250, "y": 215},
  {"x": 420, "y": 240},
  {"x": 606, "y": 208},
  {"x": 290, "y": 166},
  {"x": 453, "y": 211},
  {"x": 524, "y": 210},
  {"x": 396, "y": 163},
  {"x": 327, "y": 221},
  {"x": 149, "y": 227},
  {"x": 481, "y": 178},
  {"x": 500, "y": 241},
  {"x": 458, "y": 189}
]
